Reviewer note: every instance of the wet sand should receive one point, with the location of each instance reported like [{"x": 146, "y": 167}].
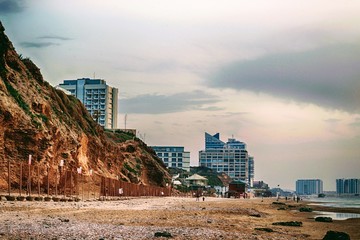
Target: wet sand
[{"x": 183, "y": 218}]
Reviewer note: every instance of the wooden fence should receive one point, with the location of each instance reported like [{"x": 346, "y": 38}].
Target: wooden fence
[
  {"x": 69, "y": 182},
  {"x": 113, "y": 187}
]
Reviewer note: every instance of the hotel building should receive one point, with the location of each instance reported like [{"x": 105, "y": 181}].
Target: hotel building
[
  {"x": 348, "y": 186},
  {"x": 309, "y": 186},
  {"x": 231, "y": 158},
  {"x": 175, "y": 157},
  {"x": 99, "y": 99}
]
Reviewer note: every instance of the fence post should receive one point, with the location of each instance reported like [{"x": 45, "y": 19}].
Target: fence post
[
  {"x": 56, "y": 180},
  {"x": 71, "y": 181},
  {"x": 20, "y": 178},
  {"x": 29, "y": 176},
  {"x": 48, "y": 185},
  {"x": 38, "y": 173},
  {"x": 9, "y": 184},
  {"x": 65, "y": 183}
]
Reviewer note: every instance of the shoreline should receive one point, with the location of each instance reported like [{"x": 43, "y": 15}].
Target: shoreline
[{"x": 183, "y": 218}]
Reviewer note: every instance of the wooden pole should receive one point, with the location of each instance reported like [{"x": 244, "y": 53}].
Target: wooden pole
[
  {"x": 38, "y": 173},
  {"x": 29, "y": 180},
  {"x": 20, "y": 179},
  {"x": 65, "y": 184},
  {"x": 89, "y": 187},
  {"x": 71, "y": 189},
  {"x": 9, "y": 184},
  {"x": 82, "y": 187},
  {"x": 56, "y": 185},
  {"x": 48, "y": 185}
]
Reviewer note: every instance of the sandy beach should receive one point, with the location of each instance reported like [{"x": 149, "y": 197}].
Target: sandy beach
[{"x": 182, "y": 218}]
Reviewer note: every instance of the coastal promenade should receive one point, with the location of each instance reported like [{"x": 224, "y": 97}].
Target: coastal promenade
[{"x": 178, "y": 217}]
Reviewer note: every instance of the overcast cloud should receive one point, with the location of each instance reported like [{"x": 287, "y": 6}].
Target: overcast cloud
[
  {"x": 55, "y": 37},
  {"x": 11, "y": 6},
  {"x": 159, "y": 104},
  {"x": 38, "y": 44},
  {"x": 328, "y": 77}
]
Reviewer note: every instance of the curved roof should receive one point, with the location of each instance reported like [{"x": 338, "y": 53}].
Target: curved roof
[{"x": 196, "y": 177}]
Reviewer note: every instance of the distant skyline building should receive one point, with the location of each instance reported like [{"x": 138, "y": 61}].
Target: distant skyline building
[
  {"x": 230, "y": 158},
  {"x": 348, "y": 186},
  {"x": 99, "y": 99},
  {"x": 172, "y": 156},
  {"x": 251, "y": 171},
  {"x": 309, "y": 186}
]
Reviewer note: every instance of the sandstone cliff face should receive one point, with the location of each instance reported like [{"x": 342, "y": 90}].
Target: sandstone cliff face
[{"x": 37, "y": 119}]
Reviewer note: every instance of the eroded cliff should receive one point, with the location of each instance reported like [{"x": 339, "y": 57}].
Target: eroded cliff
[{"x": 37, "y": 119}]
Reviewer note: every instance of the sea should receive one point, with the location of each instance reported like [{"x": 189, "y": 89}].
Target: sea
[{"x": 336, "y": 202}]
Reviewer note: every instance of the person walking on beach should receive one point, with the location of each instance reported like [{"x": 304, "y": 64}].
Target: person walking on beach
[
  {"x": 297, "y": 199},
  {"x": 203, "y": 198},
  {"x": 197, "y": 197}
]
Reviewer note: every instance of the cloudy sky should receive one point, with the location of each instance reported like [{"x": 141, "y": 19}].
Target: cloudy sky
[{"x": 282, "y": 76}]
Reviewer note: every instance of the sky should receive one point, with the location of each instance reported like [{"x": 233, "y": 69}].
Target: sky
[{"x": 281, "y": 76}]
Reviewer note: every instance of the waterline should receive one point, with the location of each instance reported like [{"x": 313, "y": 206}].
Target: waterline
[{"x": 336, "y": 215}]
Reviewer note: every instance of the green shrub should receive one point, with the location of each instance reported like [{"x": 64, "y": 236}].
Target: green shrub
[
  {"x": 130, "y": 169},
  {"x": 17, "y": 97},
  {"x": 130, "y": 149},
  {"x": 44, "y": 118}
]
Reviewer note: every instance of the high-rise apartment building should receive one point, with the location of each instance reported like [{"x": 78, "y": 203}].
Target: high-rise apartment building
[
  {"x": 309, "y": 186},
  {"x": 99, "y": 99},
  {"x": 348, "y": 186},
  {"x": 231, "y": 158},
  {"x": 175, "y": 157}
]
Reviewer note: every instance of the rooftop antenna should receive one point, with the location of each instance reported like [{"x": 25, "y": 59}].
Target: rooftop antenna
[
  {"x": 94, "y": 75},
  {"x": 125, "y": 120}
]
